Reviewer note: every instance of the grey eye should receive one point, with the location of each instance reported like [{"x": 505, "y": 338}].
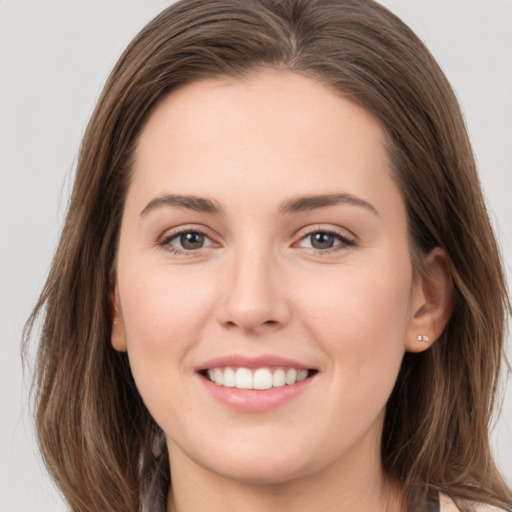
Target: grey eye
[
  {"x": 192, "y": 240},
  {"x": 322, "y": 240}
]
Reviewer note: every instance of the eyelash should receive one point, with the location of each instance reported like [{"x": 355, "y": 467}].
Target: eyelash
[
  {"x": 344, "y": 241},
  {"x": 166, "y": 241}
]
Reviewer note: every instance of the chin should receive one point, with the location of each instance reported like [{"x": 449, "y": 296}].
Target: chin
[
  {"x": 253, "y": 463},
  {"x": 261, "y": 472}
]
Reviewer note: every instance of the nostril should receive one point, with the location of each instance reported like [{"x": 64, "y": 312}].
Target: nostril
[{"x": 251, "y": 324}]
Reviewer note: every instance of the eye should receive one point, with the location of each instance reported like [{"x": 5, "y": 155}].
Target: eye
[
  {"x": 186, "y": 241},
  {"x": 191, "y": 241},
  {"x": 325, "y": 240},
  {"x": 322, "y": 240}
]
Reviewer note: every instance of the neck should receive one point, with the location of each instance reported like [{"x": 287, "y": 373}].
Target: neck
[{"x": 354, "y": 483}]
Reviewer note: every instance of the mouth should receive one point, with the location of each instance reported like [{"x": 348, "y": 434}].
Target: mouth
[
  {"x": 255, "y": 384},
  {"x": 260, "y": 378}
]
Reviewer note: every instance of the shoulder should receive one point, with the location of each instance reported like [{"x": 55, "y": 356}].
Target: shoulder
[{"x": 447, "y": 505}]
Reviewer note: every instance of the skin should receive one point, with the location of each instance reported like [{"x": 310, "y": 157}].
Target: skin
[{"x": 258, "y": 286}]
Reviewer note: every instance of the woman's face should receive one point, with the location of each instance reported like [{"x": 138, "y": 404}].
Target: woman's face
[{"x": 264, "y": 242}]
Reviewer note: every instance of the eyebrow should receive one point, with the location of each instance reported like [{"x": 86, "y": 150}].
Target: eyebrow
[
  {"x": 305, "y": 203},
  {"x": 293, "y": 205},
  {"x": 195, "y": 203}
]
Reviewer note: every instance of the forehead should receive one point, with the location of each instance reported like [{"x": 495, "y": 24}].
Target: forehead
[
  {"x": 267, "y": 104},
  {"x": 274, "y": 128}
]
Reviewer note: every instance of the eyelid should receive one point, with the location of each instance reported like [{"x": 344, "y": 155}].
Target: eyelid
[
  {"x": 325, "y": 228},
  {"x": 347, "y": 237},
  {"x": 173, "y": 233}
]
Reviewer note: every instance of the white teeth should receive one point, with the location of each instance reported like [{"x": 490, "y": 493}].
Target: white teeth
[
  {"x": 243, "y": 379},
  {"x": 229, "y": 378},
  {"x": 261, "y": 378},
  {"x": 279, "y": 378},
  {"x": 219, "y": 376},
  {"x": 302, "y": 375},
  {"x": 291, "y": 376}
]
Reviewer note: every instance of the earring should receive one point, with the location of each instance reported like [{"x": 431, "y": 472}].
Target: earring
[{"x": 422, "y": 338}]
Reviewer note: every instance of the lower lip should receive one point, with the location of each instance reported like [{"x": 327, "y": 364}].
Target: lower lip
[{"x": 255, "y": 400}]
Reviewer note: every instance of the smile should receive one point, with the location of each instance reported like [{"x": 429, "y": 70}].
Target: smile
[
  {"x": 256, "y": 378},
  {"x": 255, "y": 384}
]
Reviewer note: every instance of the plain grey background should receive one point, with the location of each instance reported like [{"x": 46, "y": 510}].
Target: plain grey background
[{"x": 55, "y": 56}]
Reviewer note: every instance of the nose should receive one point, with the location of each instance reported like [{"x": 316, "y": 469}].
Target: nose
[{"x": 254, "y": 295}]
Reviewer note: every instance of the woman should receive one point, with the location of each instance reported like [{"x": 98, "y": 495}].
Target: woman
[{"x": 277, "y": 286}]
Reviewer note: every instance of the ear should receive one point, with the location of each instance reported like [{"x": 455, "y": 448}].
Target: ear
[
  {"x": 432, "y": 302},
  {"x": 117, "y": 337}
]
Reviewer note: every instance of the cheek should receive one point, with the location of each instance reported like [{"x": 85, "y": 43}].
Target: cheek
[
  {"x": 360, "y": 317},
  {"x": 164, "y": 315},
  {"x": 162, "y": 304}
]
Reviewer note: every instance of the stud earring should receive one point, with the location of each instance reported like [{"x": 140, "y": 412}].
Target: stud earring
[{"x": 422, "y": 338}]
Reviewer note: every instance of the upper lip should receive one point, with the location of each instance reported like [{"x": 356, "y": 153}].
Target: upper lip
[{"x": 241, "y": 361}]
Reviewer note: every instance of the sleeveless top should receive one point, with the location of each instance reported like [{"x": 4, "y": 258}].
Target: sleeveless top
[
  {"x": 442, "y": 504},
  {"x": 447, "y": 505}
]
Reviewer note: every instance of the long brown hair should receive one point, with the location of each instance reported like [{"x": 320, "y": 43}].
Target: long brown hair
[{"x": 97, "y": 438}]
